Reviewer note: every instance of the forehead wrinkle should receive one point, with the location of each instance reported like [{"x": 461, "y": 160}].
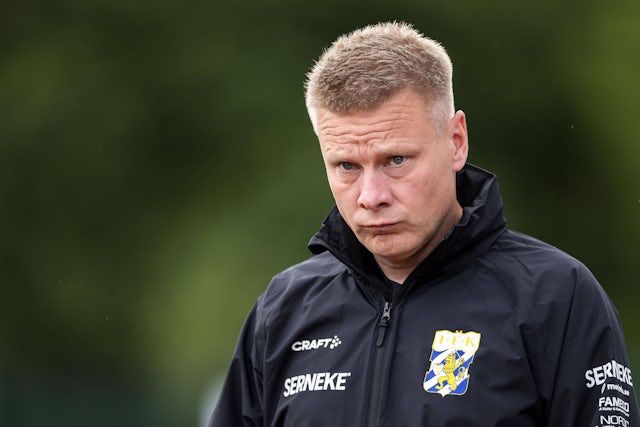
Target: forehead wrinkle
[
  {"x": 361, "y": 130},
  {"x": 378, "y": 130}
]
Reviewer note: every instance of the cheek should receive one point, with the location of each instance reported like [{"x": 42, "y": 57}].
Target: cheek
[
  {"x": 344, "y": 199},
  {"x": 340, "y": 192},
  {"x": 423, "y": 195},
  {"x": 340, "y": 187}
]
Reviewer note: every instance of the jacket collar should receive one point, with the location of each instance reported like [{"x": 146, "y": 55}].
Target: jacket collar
[{"x": 481, "y": 223}]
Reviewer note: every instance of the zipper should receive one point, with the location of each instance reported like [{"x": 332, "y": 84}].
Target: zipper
[
  {"x": 383, "y": 323},
  {"x": 374, "y": 396}
]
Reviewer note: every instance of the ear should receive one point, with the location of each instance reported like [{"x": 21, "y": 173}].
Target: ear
[{"x": 460, "y": 140}]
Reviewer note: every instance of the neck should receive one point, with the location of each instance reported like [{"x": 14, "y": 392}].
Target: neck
[{"x": 398, "y": 275}]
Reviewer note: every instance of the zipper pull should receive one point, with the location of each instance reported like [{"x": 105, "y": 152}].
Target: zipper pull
[{"x": 383, "y": 323}]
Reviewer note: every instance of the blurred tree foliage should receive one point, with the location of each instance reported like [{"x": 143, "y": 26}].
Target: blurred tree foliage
[{"x": 157, "y": 168}]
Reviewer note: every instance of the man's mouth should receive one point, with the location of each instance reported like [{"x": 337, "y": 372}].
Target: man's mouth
[{"x": 386, "y": 227}]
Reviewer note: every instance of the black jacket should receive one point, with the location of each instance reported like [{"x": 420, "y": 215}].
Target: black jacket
[{"x": 493, "y": 328}]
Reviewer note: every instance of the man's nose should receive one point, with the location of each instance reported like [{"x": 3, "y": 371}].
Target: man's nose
[{"x": 374, "y": 191}]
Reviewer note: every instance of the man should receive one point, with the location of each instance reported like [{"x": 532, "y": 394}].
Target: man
[{"x": 420, "y": 308}]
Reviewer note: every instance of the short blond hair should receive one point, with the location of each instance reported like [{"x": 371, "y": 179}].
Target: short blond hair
[{"x": 366, "y": 67}]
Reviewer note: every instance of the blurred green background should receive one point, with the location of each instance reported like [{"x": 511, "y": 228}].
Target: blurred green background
[{"x": 157, "y": 168}]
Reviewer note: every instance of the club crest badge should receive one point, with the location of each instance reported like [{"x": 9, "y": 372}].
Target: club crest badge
[{"x": 451, "y": 355}]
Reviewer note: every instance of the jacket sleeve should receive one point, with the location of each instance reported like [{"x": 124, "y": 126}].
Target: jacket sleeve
[
  {"x": 240, "y": 401},
  {"x": 590, "y": 381}
]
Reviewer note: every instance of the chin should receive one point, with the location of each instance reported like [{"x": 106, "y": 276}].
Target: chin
[{"x": 389, "y": 253}]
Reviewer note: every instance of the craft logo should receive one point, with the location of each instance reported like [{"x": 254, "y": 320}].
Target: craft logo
[
  {"x": 306, "y": 345},
  {"x": 451, "y": 355}
]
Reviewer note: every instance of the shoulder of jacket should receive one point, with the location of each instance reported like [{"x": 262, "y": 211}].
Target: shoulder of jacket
[
  {"x": 535, "y": 254},
  {"x": 317, "y": 266},
  {"x": 542, "y": 270},
  {"x": 301, "y": 280},
  {"x": 539, "y": 271}
]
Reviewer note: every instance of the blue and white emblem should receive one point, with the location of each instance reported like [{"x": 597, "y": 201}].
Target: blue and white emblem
[{"x": 451, "y": 355}]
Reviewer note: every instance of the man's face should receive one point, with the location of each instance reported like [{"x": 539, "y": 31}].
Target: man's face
[{"x": 392, "y": 173}]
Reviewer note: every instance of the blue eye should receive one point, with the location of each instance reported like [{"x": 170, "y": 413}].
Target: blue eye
[
  {"x": 346, "y": 166},
  {"x": 398, "y": 160}
]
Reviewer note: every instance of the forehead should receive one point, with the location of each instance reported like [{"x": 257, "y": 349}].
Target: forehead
[{"x": 404, "y": 117}]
